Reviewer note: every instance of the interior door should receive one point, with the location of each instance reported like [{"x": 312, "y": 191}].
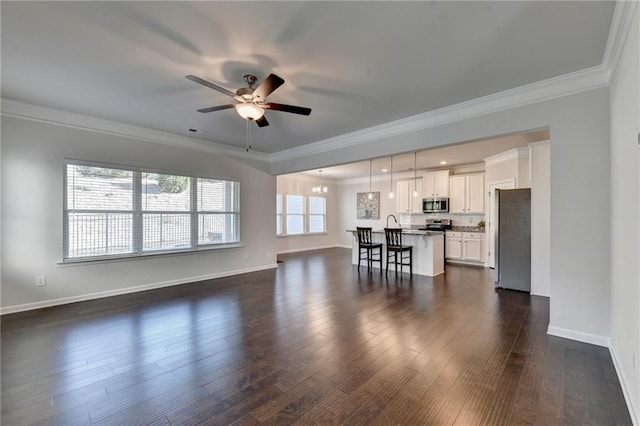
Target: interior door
[{"x": 491, "y": 214}]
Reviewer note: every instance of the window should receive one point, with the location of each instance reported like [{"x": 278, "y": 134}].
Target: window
[
  {"x": 295, "y": 214},
  {"x": 113, "y": 212},
  {"x": 278, "y": 214},
  {"x": 302, "y": 215},
  {"x": 317, "y": 214}
]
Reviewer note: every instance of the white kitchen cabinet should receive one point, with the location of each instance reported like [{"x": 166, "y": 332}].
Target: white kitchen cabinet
[
  {"x": 472, "y": 247},
  {"x": 436, "y": 184},
  {"x": 407, "y": 203},
  {"x": 466, "y": 194},
  {"x": 464, "y": 247},
  {"x": 453, "y": 246}
]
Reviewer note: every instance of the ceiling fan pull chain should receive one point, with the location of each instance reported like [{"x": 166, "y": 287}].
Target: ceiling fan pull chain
[{"x": 248, "y": 144}]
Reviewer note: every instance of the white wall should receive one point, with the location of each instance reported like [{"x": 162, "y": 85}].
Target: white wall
[
  {"x": 540, "y": 153},
  {"x": 299, "y": 184},
  {"x": 625, "y": 216},
  {"x": 32, "y": 165},
  {"x": 512, "y": 164},
  {"x": 347, "y": 192}
]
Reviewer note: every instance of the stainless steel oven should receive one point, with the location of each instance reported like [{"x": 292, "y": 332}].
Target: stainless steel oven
[{"x": 435, "y": 205}]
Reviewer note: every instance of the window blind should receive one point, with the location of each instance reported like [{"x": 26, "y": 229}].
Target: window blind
[{"x": 111, "y": 211}]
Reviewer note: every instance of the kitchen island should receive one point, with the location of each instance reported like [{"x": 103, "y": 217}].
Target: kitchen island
[{"x": 428, "y": 250}]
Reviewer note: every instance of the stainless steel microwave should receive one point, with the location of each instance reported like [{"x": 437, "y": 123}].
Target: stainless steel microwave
[{"x": 435, "y": 205}]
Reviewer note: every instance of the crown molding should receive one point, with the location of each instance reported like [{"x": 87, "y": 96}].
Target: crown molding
[
  {"x": 42, "y": 114},
  {"x": 512, "y": 154},
  {"x": 620, "y": 25},
  {"x": 556, "y": 87},
  {"x": 538, "y": 143}
]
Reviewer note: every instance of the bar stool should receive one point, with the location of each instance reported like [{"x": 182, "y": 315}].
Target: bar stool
[
  {"x": 395, "y": 248},
  {"x": 367, "y": 248}
]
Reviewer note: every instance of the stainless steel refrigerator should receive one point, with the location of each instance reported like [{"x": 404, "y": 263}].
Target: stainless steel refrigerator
[{"x": 513, "y": 239}]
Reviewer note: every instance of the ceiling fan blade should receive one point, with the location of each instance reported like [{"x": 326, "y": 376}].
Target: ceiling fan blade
[
  {"x": 288, "y": 108},
  {"x": 262, "y": 121},
  {"x": 216, "y": 108},
  {"x": 210, "y": 85},
  {"x": 271, "y": 83}
]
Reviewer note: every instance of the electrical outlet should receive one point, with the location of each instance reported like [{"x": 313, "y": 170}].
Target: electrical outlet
[
  {"x": 245, "y": 255},
  {"x": 41, "y": 280},
  {"x": 635, "y": 360}
]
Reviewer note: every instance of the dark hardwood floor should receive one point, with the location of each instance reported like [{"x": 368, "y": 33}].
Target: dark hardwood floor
[{"x": 313, "y": 342}]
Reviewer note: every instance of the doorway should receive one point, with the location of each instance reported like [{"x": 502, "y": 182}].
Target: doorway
[{"x": 505, "y": 184}]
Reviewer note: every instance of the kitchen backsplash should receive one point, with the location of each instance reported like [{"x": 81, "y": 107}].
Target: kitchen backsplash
[{"x": 407, "y": 220}]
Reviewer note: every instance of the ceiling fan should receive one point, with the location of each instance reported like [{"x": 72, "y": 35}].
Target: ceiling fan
[{"x": 251, "y": 102}]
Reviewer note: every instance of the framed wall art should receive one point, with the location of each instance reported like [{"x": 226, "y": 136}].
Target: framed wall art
[{"x": 368, "y": 208}]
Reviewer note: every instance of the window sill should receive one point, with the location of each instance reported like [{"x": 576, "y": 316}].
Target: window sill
[
  {"x": 302, "y": 235},
  {"x": 139, "y": 256}
]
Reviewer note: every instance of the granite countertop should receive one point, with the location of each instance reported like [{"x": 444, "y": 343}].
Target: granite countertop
[
  {"x": 406, "y": 231},
  {"x": 467, "y": 229}
]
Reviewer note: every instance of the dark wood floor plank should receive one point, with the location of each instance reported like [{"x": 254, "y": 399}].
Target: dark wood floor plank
[{"x": 314, "y": 342}]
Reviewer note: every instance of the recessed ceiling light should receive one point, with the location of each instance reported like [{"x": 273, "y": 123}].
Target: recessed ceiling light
[
  {"x": 443, "y": 162},
  {"x": 384, "y": 170}
]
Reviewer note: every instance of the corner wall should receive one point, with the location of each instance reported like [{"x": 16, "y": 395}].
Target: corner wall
[
  {"x": 33, "y": 155},
  {"x": 625, "y": 218}
]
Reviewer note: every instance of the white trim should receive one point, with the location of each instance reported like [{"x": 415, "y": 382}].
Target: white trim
[
  {"x": 625, "y": 388},
  {"x": 343, "y": 246},
  {"x": 27, "y": 111},
  {"x": 620, "y": 26},
  {"x": 538, "y": 143},
  {"x": 579, "y": 336},
  {"x": 127, "y": 290},
  {"x": 307, "y": 249},
  {"x": 512, "y": 154},
  {"x": 556, "y": 87}
]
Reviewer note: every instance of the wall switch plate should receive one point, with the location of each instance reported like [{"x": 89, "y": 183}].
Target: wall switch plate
[{"x": 41, "y": 280}]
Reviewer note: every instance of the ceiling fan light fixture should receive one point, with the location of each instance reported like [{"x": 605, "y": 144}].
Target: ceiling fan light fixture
[{"x": 249, "y": 111}]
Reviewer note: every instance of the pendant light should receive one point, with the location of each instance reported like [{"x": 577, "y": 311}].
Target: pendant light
[
  {"x": 370, "y": 194},
  {"x": 415, "y": 175},
  {"x": 319, "y": 189},
  {"x": 391, "y": 178}
]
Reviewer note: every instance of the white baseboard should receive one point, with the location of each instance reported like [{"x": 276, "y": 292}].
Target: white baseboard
[
  {"x": 344, "y": 246},
  {"x": 625, "y": 388},
  {"x": 298, "y": 250},
  {"x": 98, "y": 295},
  {"x": 579, "y": 336}
]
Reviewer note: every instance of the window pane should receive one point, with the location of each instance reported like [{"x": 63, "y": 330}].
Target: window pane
[
  {"x": 295, "y": 204},
  {"x": 165, "y": 192},
  {"x": 99, "y": 234},
  {"x": 279, "y": 204},
  {"x": 99, "y": 188},
  {"x": 295, "y": 224},
  {"x": 316, "y": 223},
  {"x": 218, "y": 195},
  {"x": 278, "y": 224},
  {"x": 317, "y": 205},
  {"x": 162, "y": 231},
  {"x": 215, "y": 228}
]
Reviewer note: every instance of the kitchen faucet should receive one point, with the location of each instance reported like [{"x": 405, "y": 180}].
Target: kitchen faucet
[{"x": 394, "y": 219}]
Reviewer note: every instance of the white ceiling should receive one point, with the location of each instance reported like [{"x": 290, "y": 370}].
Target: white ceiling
[
  {"x": 356, "y": 64},
  {"x": 472, "y": 153}
]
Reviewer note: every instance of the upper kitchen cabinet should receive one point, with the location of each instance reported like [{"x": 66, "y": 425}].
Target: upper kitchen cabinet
[
  {"x": 407, "y": 203},
  {"x": 436, "y": 184},
  {"x": 466, "y": 194}
]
